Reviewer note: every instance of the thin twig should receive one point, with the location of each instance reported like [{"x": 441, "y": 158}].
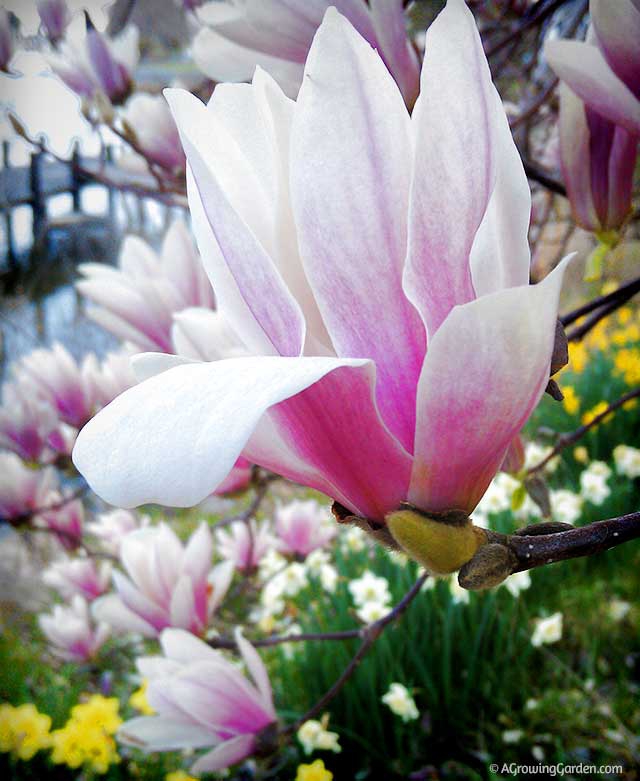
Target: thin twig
[
  {"x": 537, "y": 174},
  {"x": 370, "y": 635},
  {"x": 228, "y": 643},
  {"x": 541, "y": 12},
  {"x": 570, "y": 438},
  {"x": 621, "y": 295}
]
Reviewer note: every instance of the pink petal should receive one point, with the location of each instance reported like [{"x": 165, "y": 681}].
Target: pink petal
[
  {"x": 241, "y": 268},
  {"x": 617, "y": 27},
  {"x": 331, "y": 437},
  {"x": 583, "y": 67},
  {"x": 173, "y": 438},
  {"x": 485, "y": 371},
  {"x": 394, "y": 47},
  {"x": 256, "y": 668},
  {"x": 226, "y": 754},
  {"x": 351, "y": 167},
  {"x": 161, "y": 733},
  {"x": 456, "y": 123}
]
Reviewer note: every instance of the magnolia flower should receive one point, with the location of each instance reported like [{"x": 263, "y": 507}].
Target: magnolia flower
[
  {"x": 71, "y": 633},
  {"x": 6, "y": 40},
  {"x": 598, "y": 160},
  {"x": 65, "y": 518},
  {"x": 111, "y": 378},
  {"x": 245, "y": 543},
  {"x": 137, "y": 300},
  {"x": 547, "y": 630},
  {"x": 604, "y": 71},
  {"x": 90, "y": 64},
  {"x": 168, "y": 585},
  {"x": 23, "y": 490},
  {"x": 148, "y": 119},
  {"x": 59, "y": 380},
  {"x": 302, "y": 527},
  {"x": 55, "y": 17},
  {"x": 400, "y": 702},
  {"x": 79, "y": 575},
  {"x": 112, "y": 527},
  {"x": 204, "y": 335},
  {"x": 26, "y": 421},
  {"x": 277, "y": 36},
  {"x": 334, "y": 228},
  {"x": 202, "y": 700}
]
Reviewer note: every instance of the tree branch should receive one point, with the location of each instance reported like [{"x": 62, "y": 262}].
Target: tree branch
[
  {"x": 620, "y": 296},
  {"x": 370, "y": 635}
]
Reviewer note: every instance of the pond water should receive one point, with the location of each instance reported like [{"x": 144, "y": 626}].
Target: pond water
[{"x": 38, "y": 301}]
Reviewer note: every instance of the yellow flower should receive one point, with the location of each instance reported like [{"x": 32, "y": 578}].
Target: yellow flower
[
  {"x": 138, "y": 700},
  {"x": 628, "y": 335},
  {"x": 23, "y": 730},
  {"x": 316, "y": 771},
  {"x": 179, "y": 775},
  {"x": 581, "y": 454},
  {"x": 100, "y": 712},
  {"x": 598, "y": 336},
  {"x": 86, "y": 738},
  {"x": 624, "y": 315},
  {"x": 627, "y": 364},
  {"x": 571, "y": 402},
  {"x": 578, "y": 357},
  {"x": 599, "y": 408}
]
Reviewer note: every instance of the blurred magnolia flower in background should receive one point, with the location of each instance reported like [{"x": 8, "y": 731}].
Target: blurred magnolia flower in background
[
  {"x": 547, "y": 630},
  {"x": 400, "y": 702},
  {"x": 440, "y": 238},
  {"x": 302, "y": 526},
  {"x": 55, "y": 16},
  {"x": 202, "y": 700},
  {"x": 70, "y": 631},
  {"x": 245, "y": 544},
  {"x": 65, "y": 517},
  {"x": 277, "y": 36},
  {"x": 57, "y": 378},
  {"x": 113, "y": 526},
  {"x": 80, "y": 575},
  {"x": 26, "y": 421},
  {"x": 23, "y": 490},
  {"x": 169, "y": 584},
  {"x": 597, "y": 159},
  {"x": 148, "y": 122},
  {"x": 604, "y": 71},
  {"x": 92, "y": 65},
  {"x": 136, "y": 301}
]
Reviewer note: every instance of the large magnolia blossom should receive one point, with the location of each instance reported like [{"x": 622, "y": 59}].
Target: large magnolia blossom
[
  {"x": 376, "y": 266},
  {"x": 277, "y": 35},
  {"x": 604, "y": 71},
  {"x": 202, "y": 700}
]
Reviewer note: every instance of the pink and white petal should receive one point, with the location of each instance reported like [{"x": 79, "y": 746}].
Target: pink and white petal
[
  {"x": 256, "y": 668},
  {"x": 455, "y": 165},
  {"x": 584, "y": 68},
  {"x": 139, "y": 603},
  {"x": 224, "y": 60},
  {"x": 220, "y": 188},
  {"x": 183, "y": 647},
  {"x": 226, "y": 754},
  {"x": 112, "y": 611},
  {"x": 351, "y": 165},
  {"x": 485, "y": 371},
  {"x": 173, "y": 438},
  {"x": 238, "y": 478},
  {"x": 159, "y": 733},
  {"x": 394, "y": 47},
  {"x": 500, "y": 255},
  {"x": 617, "y": 27},
  {"x": 219, "y": 580},
  {"x": 205, "y": 335},
  {"x": 183, "y": 605},
  {"x": 196, "y": 561},
  {"x": 331, "y": 437},
  {"x": 147, "y": 365}
]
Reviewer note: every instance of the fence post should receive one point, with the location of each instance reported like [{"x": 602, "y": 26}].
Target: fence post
[
  {"x": 38, "y": 200},
  {"x": 76, "y": 179},
  {"x": 8, "y": 217}
]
